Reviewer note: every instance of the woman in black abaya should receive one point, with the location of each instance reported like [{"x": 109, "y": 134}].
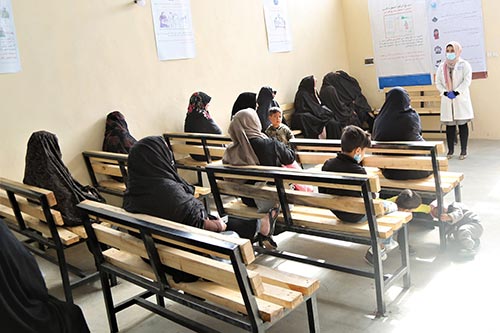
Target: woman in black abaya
[
  {"x": 117, "y": 138},
  {"x": 265, "y": 101},
  {"x": 329, "y": 97},
  {"x": 155, "y": 188},
  {"x": 44, "y": 168},
  {"x": 398, "y": 121},
  {"x": 25, "y": 304},
  {"x": 245, "y": 100},
  {"x": 310, "y": 116}
]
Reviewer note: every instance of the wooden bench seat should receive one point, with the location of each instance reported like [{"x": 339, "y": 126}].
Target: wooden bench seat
[
  {"x": 410, "y": 155},
  {"x": 311, "y": 214},
  {"x": 235, "y": 290},
  {"x": 28, "y": 210}
]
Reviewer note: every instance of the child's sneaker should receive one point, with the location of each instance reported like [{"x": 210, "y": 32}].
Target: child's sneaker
[
  {"x": 369, "y": 256},
  {"x": 391, "y": 245}
]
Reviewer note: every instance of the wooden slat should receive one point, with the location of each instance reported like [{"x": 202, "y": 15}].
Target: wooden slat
[
  {"x": 48, "y": 194},
  {"x": 67, "y": 237},
  {"x": 179, "y": 259},
  {"x": 306, "y": 286},
  {"x": 309, "y": 217},
  {"x": 246, "y": 248},
  {"x": 195, "y": 149},
  {"x": 403, "y": 162},
  {"x": 107, "y": 169},
  {"x": 201, "y": 191},
  {"x": 230, "y": 299},
  {"x": 32, "y": 209},
  {"x": 449, "y": 180},
  {"x": 113, "y": 184}
]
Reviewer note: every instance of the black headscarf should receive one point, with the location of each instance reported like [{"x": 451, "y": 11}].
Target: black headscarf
[
  {"x": 349, "y": 92},
  {"x": 155, "y": 188},
  {"x": 310, "y": 116},
  {"x": 265, "y": 101},
  {"x": 198, "y": 119},
  {"x": 44, "y": 168},
  {"x": 24, "y": 300},
  {"x": 329, "y": 97},
  {"x": 117, "y": 138},
  {"x": 246, "y": 100},
  {"x": 397, "y": 121}
]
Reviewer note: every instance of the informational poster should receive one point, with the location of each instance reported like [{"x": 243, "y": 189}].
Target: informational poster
[
  {"x": 461, "y": 21},
  {"x": 410, "y": 36},
  {"x": 173, "y": 29},
  {"x": 9, "y": 52},
  {"x": 279, "y": 36},
  {"x": 400, "y": 42}
]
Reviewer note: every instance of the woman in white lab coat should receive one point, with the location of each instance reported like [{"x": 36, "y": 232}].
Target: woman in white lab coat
[{"x": 453, "y": 78}]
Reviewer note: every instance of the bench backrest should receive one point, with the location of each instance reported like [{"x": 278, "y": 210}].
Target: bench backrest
[
  {"x": 209, "y": 146},
  {"x": 409, "y": 155},
  {"x": 102, "y": 166},
  {"x": 233, "y": 282},
  {"x": 28, "y": 210},
  {"x": 230, "y": 180}
]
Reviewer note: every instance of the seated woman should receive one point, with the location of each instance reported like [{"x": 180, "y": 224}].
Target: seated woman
[
  {"x": 155, "y": 188},
  {"x": 397, "y": 121},
  {"x": 344, "y": 114},
  {"x": 246, "y": 100},
  {"x": 310, "y": 116},
  {"x": 44, "y": 168},
  {"x": 350, "y": 93},
  {"x": 198, "y": 119},
  {"x": 117, "y": 138},
  {"x": 24, "y": 299},
  {"x": 265, "y": 101}
]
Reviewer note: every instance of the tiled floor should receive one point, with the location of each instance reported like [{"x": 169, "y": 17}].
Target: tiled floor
[{"x": 447, "y": 294}]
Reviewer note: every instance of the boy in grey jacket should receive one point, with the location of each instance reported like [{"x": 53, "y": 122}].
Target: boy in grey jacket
[{"x": 464, "y": 226}]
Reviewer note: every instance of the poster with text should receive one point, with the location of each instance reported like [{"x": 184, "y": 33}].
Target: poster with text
[
  {"x": 9, "y": 52},
  {"x": 173, "y": 29},
  {"x": 279, "y": 36},
  {"x": 460, "y": 21},
  {"x": 400, "y": 42}
]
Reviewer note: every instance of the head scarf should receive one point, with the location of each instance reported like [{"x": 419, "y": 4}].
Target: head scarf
[
  {"x": 246, "y": 100},
  {"x": 244, "y": 127},
  {"x": 265, "y": 101},
  {"x": 450, "y": 64},
  {"x": 397, "y": 121},
  {"x": 154, "y": 187},
  {"x": 341, "y": 112},
  {"x": 44, "y": 168},
  {"x": 25, "y": 302},
  {"x": 117, "y": 138},
  {"x": 198, "y": 119}
]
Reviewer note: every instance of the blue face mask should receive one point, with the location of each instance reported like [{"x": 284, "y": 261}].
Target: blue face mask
[
  {"x": 357, "y": 158},
  {"x": 451, "y": 56}
]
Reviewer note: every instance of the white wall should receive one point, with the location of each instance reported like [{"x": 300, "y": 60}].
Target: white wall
[{"x": 83, "y": 59}]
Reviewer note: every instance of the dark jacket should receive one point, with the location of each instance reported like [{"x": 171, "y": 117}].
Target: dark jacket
[
  {"x": 25, "y": 304},
  {"x": 343, "y": 163}
]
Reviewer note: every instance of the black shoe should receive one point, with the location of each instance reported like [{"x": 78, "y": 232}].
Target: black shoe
[
  {"x": 273, "y": 214},
  {"x": 267, "y": 242}
]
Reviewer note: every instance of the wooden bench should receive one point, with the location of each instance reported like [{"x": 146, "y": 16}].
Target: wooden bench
[
  {"x": 311, "y": 214},
  {"x": 103, "y": 166},
  {"x": 395, "y": 155},
  {"x": 28, "y": 211},
  {"x": 288, "y": 110},
  {"x": 426, "y": 100},
  {"x": 209, "y": 146},
  {"x": 235, "y": 289}
]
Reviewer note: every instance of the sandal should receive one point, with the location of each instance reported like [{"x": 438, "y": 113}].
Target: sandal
[
  {"x": 273, "y": 214},
  {"x": 267, "y": 242}
]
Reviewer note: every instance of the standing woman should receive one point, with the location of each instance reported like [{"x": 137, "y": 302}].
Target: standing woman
[{"x": 453, "y": 79}]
